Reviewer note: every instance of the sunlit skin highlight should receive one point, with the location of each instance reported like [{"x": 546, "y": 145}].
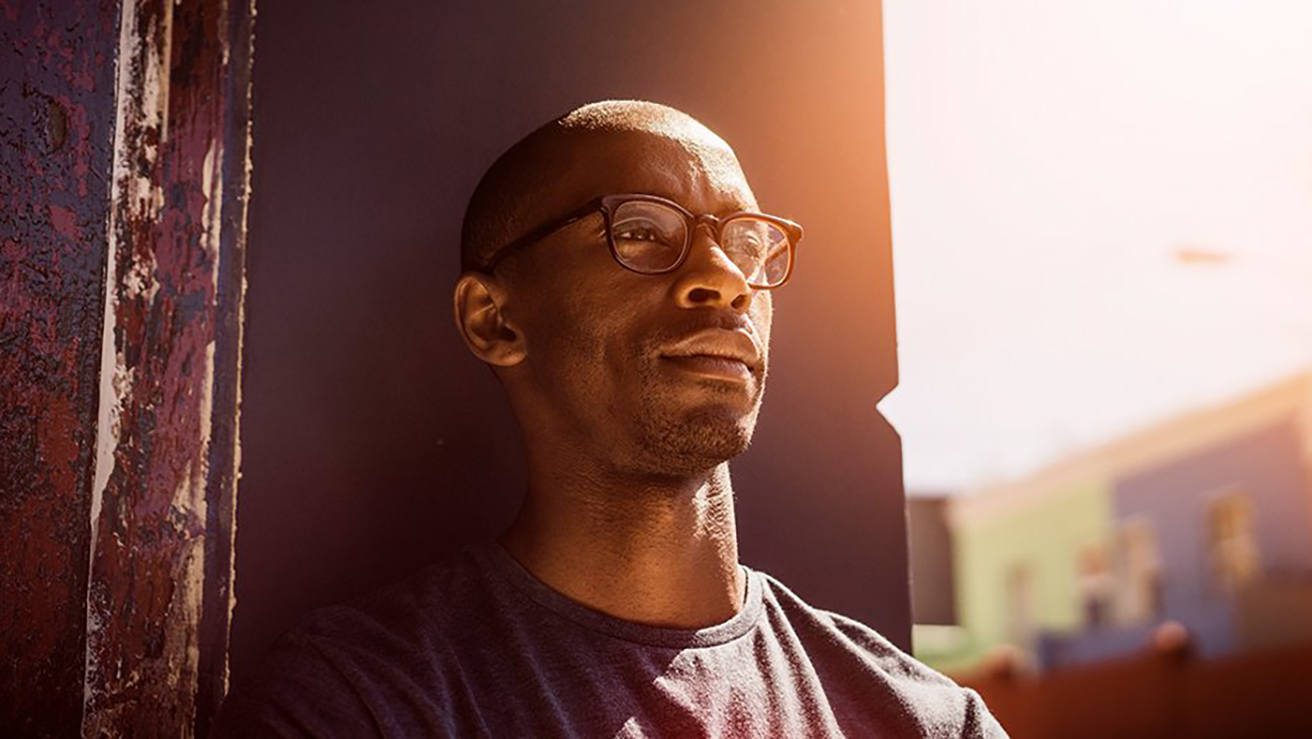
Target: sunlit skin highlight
[{"x": 628, "y": 423}]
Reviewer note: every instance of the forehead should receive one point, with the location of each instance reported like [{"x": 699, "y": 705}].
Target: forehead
[{"x": 694, "y": 168}]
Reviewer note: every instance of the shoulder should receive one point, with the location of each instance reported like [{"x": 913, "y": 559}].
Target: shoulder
[
  {"x": 862, "y": 670},
  {"x": 390, "y": 628},
  {"x": 835, "y": 627},
  {"x": 353, "y": 669}
]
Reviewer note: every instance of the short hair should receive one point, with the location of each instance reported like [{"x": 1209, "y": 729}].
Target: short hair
[{"x": 501, "y": 203}]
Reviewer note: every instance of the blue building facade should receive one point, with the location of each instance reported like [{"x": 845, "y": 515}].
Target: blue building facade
[
  {"x": 1213, "y": 533},
  {"x": 1227, "y": 518}
]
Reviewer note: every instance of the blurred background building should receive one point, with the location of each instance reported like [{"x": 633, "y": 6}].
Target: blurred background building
[
  {"x": 1159, "y": 585},
  {"x": 1202, "y": 521},
  {"x": 1102, "y": 237}
]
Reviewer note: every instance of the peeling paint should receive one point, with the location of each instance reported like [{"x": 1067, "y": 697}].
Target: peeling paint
[
  {"x": 149, "y": 579},
  {"x": 121, "y": 284},
  {"x": 115, "y": 382}
]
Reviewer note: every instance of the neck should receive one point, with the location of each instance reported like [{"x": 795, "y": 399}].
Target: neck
[{"x": 662, "y": 552}]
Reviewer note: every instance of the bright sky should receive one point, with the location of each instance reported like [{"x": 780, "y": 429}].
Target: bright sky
[{"x": 1048, "y": 160}]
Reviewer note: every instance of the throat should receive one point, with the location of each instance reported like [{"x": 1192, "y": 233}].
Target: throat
[{"x": 645, "y": 556}]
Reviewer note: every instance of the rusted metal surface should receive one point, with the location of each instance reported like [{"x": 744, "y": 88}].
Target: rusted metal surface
[
  {"x": 122, "y": 336},
  {"x": 56, "y": 121}
]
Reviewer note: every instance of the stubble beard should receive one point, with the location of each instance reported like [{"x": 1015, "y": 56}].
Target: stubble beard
[
  {"x": 676, "y": 439},
  {"x": 674, "y": 433}
]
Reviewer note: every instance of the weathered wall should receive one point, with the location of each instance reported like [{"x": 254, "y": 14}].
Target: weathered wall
[
  {"x": 122, "y": 268},
  {"x": 373, "y": 442}
]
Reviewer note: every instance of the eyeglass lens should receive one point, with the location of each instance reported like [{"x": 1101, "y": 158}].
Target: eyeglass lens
[{"x": 649, "y": 237}]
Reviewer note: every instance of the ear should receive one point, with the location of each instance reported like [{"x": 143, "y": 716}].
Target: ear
[{"x": 483, "y": 324}]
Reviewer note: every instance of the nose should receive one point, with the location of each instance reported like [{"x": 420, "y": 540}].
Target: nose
[{"x": 708, "y": 278}]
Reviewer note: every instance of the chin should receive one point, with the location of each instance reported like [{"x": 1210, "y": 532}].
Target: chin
[
  {"x": 695, "y": 424},
  {"x": 699, "y": 440}
]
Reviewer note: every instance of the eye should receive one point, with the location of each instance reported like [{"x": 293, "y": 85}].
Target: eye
[
  {"x": 648, "y": 244},
  {"x": 751, "y": 237},
  {"x": 639, "y": 232},
  {"x": 744, "y": 244}
]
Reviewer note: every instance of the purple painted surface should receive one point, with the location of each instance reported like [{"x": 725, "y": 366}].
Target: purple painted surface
[{"x": 56, "y": 126}]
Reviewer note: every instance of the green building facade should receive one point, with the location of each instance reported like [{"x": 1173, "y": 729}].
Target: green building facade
[{"x": 1024, "y": 563}]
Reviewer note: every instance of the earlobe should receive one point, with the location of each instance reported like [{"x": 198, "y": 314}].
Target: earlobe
[{"x": 483, "y": 324}]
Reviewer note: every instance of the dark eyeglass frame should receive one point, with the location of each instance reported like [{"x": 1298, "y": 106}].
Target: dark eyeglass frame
[{"x": 608, "y": 204}]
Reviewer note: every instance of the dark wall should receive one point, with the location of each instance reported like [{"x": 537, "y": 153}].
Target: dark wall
[
  {"x": 933, "y": 582},
  {"x": 372, "y": 441}
]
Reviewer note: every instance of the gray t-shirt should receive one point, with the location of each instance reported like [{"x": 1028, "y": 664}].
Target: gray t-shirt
[{"x": 479, "y": 647}]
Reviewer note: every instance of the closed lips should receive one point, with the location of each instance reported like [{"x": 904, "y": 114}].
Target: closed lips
[
  {"x": 717, "y": 344},
  {"x": 718, "y": 357}
]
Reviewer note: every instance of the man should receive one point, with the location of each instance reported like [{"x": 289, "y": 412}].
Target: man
[{"x": 617, "y": 279}]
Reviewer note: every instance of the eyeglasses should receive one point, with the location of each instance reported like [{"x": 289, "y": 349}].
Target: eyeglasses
[{"x": 651, "y": 235}]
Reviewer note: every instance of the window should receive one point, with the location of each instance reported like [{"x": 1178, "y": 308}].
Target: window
[
  {"x": 1095, "y": 584},
  {"x": 1232, "y": 540},
  {"x": 1139, "y": 583}
]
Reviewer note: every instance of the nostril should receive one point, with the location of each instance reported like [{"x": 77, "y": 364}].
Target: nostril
[
  {"x": 740, "y": 302},
  {"x": 703, "y": 295}
]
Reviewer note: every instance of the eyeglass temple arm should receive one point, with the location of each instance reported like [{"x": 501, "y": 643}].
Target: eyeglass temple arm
[{"x": 542, "y": 232}]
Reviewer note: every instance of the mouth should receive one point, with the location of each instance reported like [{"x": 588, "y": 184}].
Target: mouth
[
  {"x": 718, "y": 354},
  {"x": 712, "y": 366}
]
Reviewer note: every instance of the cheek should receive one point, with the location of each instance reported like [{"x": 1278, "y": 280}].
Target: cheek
[
  {"x": 577, "y": 341},
  {"x": 566, "y": 338},
  {"x": 761, "y": 315}
]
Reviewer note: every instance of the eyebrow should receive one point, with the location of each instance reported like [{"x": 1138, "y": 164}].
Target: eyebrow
[{"x": 726, "y": 207}]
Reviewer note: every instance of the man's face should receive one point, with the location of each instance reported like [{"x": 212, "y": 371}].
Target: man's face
[{"x": 631, "y": 366}]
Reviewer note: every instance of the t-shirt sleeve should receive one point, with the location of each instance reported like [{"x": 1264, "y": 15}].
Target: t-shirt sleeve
[
  {"x": 932, "y": 700},
  {"x": 980, "y": 723},
  {"x": 298, "y": 692}
]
